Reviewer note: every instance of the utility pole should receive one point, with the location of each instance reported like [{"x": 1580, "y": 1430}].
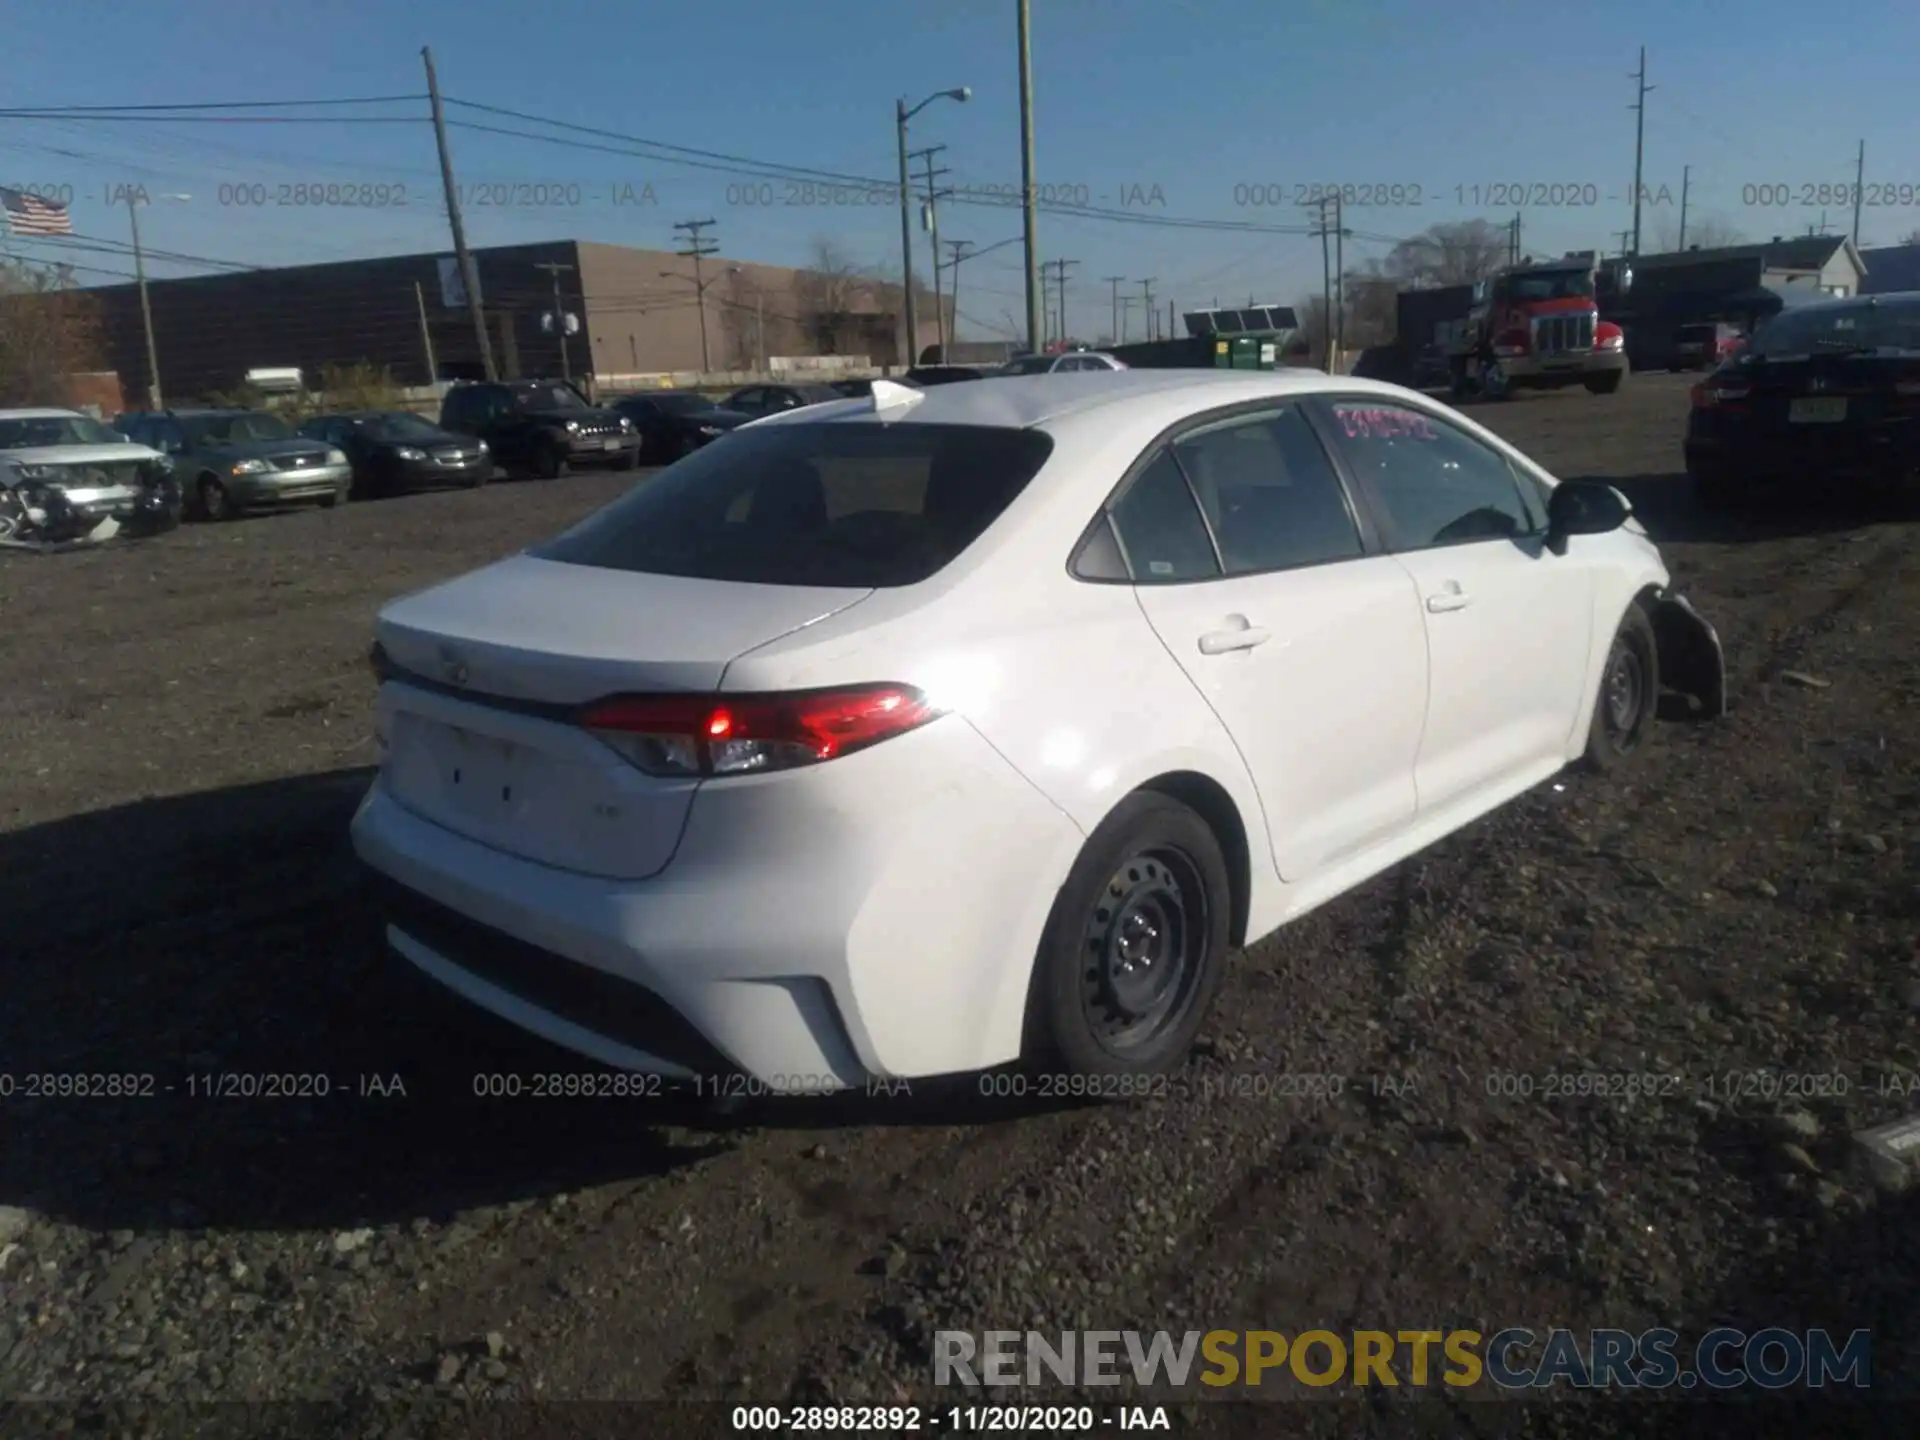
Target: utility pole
[
  {"x": 1626, "y": 238},
  {"x": 1859, "y": 189},
  {"x": 1126, "y": 313},
  {"x": 463, "y": 257},
  {"x": 1686, "y": 184},
  {"x": 154, "y": 401},
  {"x": 1146, "y": 299},
  {"x": 1169, "y": 320},
  {"x": 933, "y": 233},
  {"x": 1060, "y": 292},
  {"x": 1116, "y": 281},
  {"x": 959, "y": 248},
  {"x": 1339, "y": 279},
  {"x": 697, "y": 250},
  {"x": 1324, "y": 231},
  {"x": 1639, "y": 140},
  {"x": 426, "y": 335},
  {"x": 1034, "y": 322},
  {"x": 1046, "y": 306},
  {"x": 559, "y": 316},
  {"x": 760, "y": 325}
]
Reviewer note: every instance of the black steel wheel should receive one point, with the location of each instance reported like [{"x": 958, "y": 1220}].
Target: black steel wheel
[
  {"x": 550, "y": 460},
  {"x": 1629, "y": 697},
  {"x": 1135, "y": 946}
]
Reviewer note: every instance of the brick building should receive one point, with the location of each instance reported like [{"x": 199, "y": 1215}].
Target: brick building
[{"x": 638, "y": 310}]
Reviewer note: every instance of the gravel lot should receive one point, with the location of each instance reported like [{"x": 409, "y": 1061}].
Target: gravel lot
[{"x": 186, "y": 729}]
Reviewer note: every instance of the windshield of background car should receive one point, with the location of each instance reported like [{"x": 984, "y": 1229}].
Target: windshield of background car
[
  {"x": 1886, "y": 328},
  {"x": 837, "y": 505},
  {"x": 29, "y": 433},
  {"x": 236, "y": 429},
  {"x": 547, "y": 397},
  {"x": 1553, "y": 285},
  {"x": 401, "y": 427},
  {"x": 817, "y": 394}
]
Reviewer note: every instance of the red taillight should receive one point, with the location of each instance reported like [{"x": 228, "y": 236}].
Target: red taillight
[{"x": 747, "y": 734}]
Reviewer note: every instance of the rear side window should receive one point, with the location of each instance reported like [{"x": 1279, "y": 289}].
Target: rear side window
[
  {"x": 1160, "y": 527},
  {"x": 837, "y": 505}
]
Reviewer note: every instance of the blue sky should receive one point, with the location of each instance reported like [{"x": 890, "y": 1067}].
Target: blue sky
[{"x": 1214, "y": 110}]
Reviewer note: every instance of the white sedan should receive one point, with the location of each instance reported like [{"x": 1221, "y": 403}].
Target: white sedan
[{"x": 931, "y": 731}]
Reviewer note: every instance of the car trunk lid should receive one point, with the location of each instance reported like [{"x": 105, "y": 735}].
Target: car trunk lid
[{"x": 487, "y": 672}]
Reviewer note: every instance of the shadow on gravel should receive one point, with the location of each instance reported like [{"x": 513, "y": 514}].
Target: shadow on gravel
[
  {"x": 1666, "y": 505},
  {"x": 163, "y": 945}
]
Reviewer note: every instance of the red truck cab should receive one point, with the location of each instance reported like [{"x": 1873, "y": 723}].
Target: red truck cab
[{"x": 1538, "y": 327}]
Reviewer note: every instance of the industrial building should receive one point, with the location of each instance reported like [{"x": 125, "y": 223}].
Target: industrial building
[{"x": 636, "y": 313}]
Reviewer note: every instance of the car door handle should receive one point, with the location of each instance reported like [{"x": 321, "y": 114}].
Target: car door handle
[
  {"x": 1221, "y": 642},
  {"x": 1452, "y": 598}
]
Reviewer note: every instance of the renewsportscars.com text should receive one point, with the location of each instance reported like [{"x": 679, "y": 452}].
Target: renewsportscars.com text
[{"x": 1511, "y": 1359}]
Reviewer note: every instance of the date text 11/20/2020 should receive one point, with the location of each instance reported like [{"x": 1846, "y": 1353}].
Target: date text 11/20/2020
[{"x": 953, "y": 1419}]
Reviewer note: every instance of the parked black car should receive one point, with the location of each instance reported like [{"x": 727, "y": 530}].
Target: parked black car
[
  {"x": 540, "y": 426},
  {"x": 394, "y": 451},
  {"x": 758, "y": 400},
  {"x": 672, "y": 423},
  {"x": 1825, "y": 393},
  {"x": 943, "y": 374}
]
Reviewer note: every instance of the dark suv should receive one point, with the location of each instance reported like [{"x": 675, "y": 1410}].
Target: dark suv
[{"x": 542, "y": 426}]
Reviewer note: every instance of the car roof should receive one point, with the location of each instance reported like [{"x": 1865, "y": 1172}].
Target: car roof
[
  {"x": 41, "y": 413},
  {"x": 1027, "y": 401}
]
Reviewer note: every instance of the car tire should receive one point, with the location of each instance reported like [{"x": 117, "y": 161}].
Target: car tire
[
  {"x": 1629, "y": 694},
  {"x": 327, "y": 502},
  {"x": 1150, "y": 888},
  {"x": 1605, "y": 384},
  {"x": 212, "y": 500},
  {"x": 550, "y": 461}
]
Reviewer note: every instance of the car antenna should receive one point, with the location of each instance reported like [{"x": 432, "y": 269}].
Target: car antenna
[{"x": 887, "y": 395}]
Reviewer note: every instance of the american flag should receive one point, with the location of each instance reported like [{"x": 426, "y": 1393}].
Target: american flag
[{"x": 30, "y": 215}]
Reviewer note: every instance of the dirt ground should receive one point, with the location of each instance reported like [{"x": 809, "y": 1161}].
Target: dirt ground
[{"x": 185, "y": 730}]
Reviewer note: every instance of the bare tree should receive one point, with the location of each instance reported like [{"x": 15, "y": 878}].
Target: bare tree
[
  {"x": 827, "y": 293},
  {"x": 1453, "y": 252},
  {"x": 48, "y": 331},
  {"x": 1708, "y": 233}
]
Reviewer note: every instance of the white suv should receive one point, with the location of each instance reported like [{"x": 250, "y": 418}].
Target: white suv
[{"x": 1056, "y": 364}]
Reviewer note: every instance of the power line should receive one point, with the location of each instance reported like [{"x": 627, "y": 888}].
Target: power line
[{"x": 212, "y": 105}]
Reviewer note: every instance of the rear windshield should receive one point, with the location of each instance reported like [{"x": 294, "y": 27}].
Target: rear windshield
[
  {"x": 836, "y": 505},
  {"x": 1863, "y": 327}
]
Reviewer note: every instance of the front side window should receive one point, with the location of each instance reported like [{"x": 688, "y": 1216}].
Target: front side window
[
  {"x": 1270, "y": 493},
  {"x": 1436, "y": 485},
  {"x": 835, "y": 505}
]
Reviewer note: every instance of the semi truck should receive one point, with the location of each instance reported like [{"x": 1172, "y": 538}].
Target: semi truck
[{"x": 1537, "y": 326}]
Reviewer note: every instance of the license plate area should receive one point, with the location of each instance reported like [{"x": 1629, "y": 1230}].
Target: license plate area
[
  {"x": 480, "y": 774},
  {"x": 610, "y": 445},
  {"x": 1817, "y": 410}
]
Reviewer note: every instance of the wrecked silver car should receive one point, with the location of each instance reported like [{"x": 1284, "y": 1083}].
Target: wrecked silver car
[{"x": 67, "y": 480}]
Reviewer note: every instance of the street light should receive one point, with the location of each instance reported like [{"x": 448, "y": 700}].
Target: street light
[
  {"x": 901, "y": 116},
  {"x": 134, "y": 198}
]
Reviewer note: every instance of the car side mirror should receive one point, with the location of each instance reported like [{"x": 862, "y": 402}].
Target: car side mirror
[{"x": 1583, "y": 507}]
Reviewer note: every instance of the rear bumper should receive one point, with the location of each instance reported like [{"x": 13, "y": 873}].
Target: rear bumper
[
  {"x": 287, "y": 487},
  {"x": 1813, "y": 455},
  {"x": 875, "y": 917}
]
